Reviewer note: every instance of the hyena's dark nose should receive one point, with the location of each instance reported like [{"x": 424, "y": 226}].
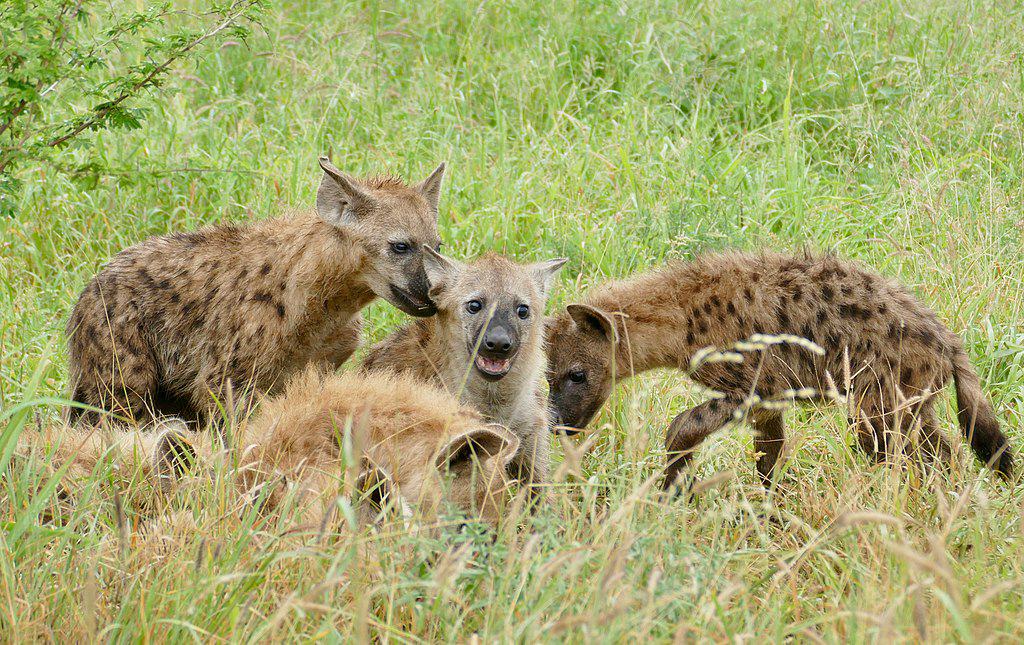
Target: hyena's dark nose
[{"x": 498, "y": 340}]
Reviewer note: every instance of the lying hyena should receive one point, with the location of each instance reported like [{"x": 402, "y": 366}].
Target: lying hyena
[
  {"x": 409, "y": 438},
  {"x": 486, "y": 344},
  {"x": 172, "y": 321},
  {"x": 884, "y": 350}
]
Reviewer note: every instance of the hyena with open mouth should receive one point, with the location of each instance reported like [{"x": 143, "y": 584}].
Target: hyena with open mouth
[
  {"x": 486, "y": 345},
  {"x": 883, "y": 350}
]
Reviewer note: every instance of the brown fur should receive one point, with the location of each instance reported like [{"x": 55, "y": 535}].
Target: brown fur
[
  {"x": 895, "y": 351},
  {"x": 170, "y": 323},
  {"x": 407, "y": 437},
  {"x": 443, "y": 349}
]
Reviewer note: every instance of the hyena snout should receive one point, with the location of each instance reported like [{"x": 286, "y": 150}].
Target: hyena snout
[
  {"x": 414, "y": 298},
  {"x": 498, "y": 343}
]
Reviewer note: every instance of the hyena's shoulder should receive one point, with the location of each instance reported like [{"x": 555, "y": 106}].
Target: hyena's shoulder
[{"x": 404, "y": 351}]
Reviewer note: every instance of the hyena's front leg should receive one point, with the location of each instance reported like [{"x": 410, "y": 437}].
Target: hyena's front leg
[
  {"x": 689, "y": 429},
  {"x": 769, "y": 435}
]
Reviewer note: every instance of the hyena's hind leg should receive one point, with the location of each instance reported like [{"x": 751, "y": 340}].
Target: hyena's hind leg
[
  {"x": 769, "y": 437},
  {"x": 689, "y": 429},
  {"x": 116, "y": 375}
]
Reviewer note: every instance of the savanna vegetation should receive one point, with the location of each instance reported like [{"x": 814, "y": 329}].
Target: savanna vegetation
[{"x": 615, "y": 134}]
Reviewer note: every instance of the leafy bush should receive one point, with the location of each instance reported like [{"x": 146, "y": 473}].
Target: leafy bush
[{"x": 72, "y": 67}]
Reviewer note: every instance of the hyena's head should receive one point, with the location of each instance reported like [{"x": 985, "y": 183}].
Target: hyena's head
[
  {"x": 492, "y": 309},
  {"x": 467, "y": 473},
  {"x": 582, "y": 344},
  {"x": 393, "y": 222}
]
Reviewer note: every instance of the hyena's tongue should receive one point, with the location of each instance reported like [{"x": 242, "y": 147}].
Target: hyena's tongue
[{"x": 493, "y": 366}]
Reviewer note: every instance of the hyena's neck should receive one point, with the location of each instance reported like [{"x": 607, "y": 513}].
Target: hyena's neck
[
  {"x": 654, "y": 318},
  {"x": 326, "y": 269}
]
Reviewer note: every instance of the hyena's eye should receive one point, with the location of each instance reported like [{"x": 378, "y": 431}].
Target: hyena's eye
[
  {"x": 523, "y": 312},
  {"x": 400, "y": 248},
  {"x": 578, "y": 376},
  {"x": 474, "y": 306}
]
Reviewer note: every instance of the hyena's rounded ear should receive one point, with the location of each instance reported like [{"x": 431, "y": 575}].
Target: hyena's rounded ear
[
  {"x": 339, "y": 196},
  {"x": 491, "y": 440},
  {"x": 375, "y": 491},
  {"x": 431, "y": 186},
  {"x": 174, "y": 456},
  {"x": 594, "y": 320},
  {"x": 544, "y": 273},
  {"x": 440, "y": 270}
]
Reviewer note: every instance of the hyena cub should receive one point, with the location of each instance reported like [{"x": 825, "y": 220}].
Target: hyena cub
[
  {"x": 172, "y": 321},
  {"x": 485, "y": 344},
  {"x": 884, "y": 351},
  {"x": 408, "y": 437}
]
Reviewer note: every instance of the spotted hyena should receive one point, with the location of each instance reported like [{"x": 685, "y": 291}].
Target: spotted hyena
[
  {"x": 170, "y": 323},
  {"x": 883, "y": 350},
  {"x": 486, "y": 345}
]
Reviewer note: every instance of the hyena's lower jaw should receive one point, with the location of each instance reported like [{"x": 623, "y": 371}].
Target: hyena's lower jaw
[
  {"x": 493, "y": 369},
  {"x": 410, "y": 304}
]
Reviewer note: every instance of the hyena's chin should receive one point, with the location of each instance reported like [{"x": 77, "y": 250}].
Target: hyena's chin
[{"x": 493, "y": 369}]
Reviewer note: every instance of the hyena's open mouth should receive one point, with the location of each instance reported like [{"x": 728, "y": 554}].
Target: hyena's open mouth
[{"x": 493, "y": 369}]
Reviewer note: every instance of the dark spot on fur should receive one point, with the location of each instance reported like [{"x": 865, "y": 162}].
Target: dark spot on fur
[
  {"x": 175, "y": 298},
  {"x": 261, "y": 296},
  {"x": 882, "y": 309},
  {"x": 280, "y": 310},
  {"x": 690, "y": 338},
  {"x": 216, "y": 264},
  {"x": 822, "y": 317},
  {"x": 833, "y": 341},
  {"x": 797, "y": 294},
  {"x": 846, "y": 290},
  {"x": 266, "y": 268},
  {"x": 807, "y": 332},
  {"x": 895, "y": 331},
  {"x": 707, "y": 308},
  {"x": 907, "y": 374},
  {"x": 702, "y": 327},
  {"x": 713, "y": 406},
  {"x": 189, "y": 239},
  {"x": 827, "y": 293},
  {"x": 926, "y": 335},
  {"x": 748, "y": 294},
  {"x": 698, "y": 415},
  {"x": 716, "y": 301},
  {"x": 731, "y": 308},
  {"x": 284, "y": 285},
  {"x": 783, "y": 321}
]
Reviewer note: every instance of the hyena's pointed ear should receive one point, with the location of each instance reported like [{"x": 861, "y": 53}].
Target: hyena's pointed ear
[
  {"x": 339, "y": 197},
  {"x": 440, "y": 270},
  {"x": 431, "y": 186},
  {"x": 594, "y": 320},
  {"x": 544, "y": 273},
  {"x": 492, "y": 440}
]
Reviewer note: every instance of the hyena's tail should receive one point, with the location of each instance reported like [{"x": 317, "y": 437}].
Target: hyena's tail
[{"x": 978, "y": 419}]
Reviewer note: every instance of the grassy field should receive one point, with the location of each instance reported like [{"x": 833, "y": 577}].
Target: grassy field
[{"x": 618, "y": 135}]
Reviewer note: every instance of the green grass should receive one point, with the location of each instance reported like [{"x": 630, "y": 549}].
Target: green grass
[{"x": 618, "y": 135}]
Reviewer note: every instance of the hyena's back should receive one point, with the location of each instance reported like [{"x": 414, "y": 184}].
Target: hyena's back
[
  {"x": 173, "y": 319},
  {"x": 882, "y": 347}
]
